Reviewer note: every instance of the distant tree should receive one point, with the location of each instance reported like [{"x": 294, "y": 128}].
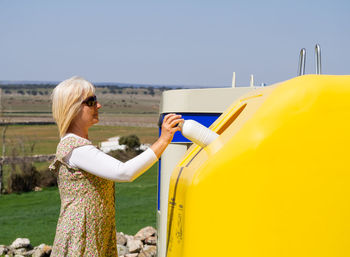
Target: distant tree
[
  {"x": 151, "y": 91},
  {"x": 132, "y": 142},
  {"x": 20, "y": 92}
]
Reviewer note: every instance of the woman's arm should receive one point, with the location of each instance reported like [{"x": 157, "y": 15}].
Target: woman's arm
[
  {"x": 96, "y": 162},
  {"x": 92, "y": 160}
]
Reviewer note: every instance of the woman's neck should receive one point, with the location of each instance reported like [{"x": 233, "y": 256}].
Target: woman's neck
[{"x": 81, "y": 132}]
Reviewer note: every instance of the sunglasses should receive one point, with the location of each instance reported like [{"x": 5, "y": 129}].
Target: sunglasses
[{"x": 90, "y": 101}]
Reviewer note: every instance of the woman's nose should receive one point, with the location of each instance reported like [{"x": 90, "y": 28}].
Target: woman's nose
[{"x": 98, "y": 106}]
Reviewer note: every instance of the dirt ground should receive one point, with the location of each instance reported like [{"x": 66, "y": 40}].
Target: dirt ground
[{"x": 120, "y": 106}]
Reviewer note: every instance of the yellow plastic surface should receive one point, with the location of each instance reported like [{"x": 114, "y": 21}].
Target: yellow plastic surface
[{"x": 277, "y": 180}]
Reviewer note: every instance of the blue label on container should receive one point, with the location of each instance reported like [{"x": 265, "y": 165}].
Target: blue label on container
[{"x": 206, "y": 119}]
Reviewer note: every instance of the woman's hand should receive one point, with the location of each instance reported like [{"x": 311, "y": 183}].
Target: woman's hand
[{"x": 169, "y": 127}]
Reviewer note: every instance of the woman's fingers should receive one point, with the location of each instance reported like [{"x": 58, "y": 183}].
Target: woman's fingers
[
  {"x": 176, "y": 122},
  {"x": 169, "y": 126},
  {"x": 166, "y": 117},
  {"x": 169, "y": 118},
  {"x": 172, "y": 121}
]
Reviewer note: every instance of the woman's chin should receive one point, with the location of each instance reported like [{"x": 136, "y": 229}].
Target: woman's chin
[{"x": 95, "y": 120}]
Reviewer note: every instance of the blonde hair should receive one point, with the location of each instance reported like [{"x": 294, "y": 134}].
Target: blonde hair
[{"x": 66, "y": 101}]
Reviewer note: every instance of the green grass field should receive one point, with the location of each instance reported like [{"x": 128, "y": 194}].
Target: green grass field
[{"x": 34, "y": 215}]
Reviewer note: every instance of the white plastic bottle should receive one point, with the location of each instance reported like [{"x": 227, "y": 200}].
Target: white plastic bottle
[{"x": 197, "y": 133}]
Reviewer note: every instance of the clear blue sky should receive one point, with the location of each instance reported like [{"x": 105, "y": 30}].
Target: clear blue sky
[{"x": 171, "y": 42}]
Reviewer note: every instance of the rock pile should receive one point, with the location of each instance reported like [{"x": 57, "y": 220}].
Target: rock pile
[
  {"x": 21, "y": 247},
  {"x": 142, "y": 244}
]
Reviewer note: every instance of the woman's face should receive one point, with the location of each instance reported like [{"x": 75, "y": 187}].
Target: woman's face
[{"x": 88, "y": 114}]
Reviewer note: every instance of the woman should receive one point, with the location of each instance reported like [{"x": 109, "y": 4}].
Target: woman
[{"x": 86, "y": 175}]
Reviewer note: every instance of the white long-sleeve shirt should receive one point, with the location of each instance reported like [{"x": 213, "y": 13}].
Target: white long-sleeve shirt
[{"x": 96, "y": 162}]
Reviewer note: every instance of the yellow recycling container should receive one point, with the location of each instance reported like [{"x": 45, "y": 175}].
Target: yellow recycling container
[{"x": 276, "y": 182}]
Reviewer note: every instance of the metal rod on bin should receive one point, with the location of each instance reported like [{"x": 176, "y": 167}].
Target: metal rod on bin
[
  {"x": 302, "y": 57},
  {"x": 318, "y": 59}
]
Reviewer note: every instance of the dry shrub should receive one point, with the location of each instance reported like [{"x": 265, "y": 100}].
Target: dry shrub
[
  {"x": 24, "y": 177},
  {"x": 124, "y": 156},
  {"x": 132, "y": 143},
  {"x": 23, "y": 180},
  {"x": 47, "y": 179}
]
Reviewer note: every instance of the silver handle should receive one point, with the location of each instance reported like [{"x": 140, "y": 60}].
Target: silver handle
[
  {"x": 302, "y": 58},
  {"x": 318, "y": 59}
]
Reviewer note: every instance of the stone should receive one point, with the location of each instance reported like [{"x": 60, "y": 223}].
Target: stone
[
  {"x": 147, "y": 247},
  {"x": 145, "y": 232},
  {"x": 42, "y": 250},
  {"x": 10, "y": 251},
  {"x": 134, "y": 246},
  {"x": 129, "y": 237},
  {"x": 3, "y": 249},
  {"x": 38, "y": 253},
  {"x": 131, "y": 255},
  {"x": 152, "y": 240},
  {"x": 121, "y": 239},
  {"x": 41, "y": 246},
  {"x": 122, "y": 250},
  {"x": 148, "y": 251},
  {"x": 30, "y": 252},
  {"x": 47, "y": 249},
  {"x": 20, "y": 243},
  {"x": 20, "y": 251}
]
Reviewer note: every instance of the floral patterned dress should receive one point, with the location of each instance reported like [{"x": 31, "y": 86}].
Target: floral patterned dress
[{"x": 86, "y": 225}]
